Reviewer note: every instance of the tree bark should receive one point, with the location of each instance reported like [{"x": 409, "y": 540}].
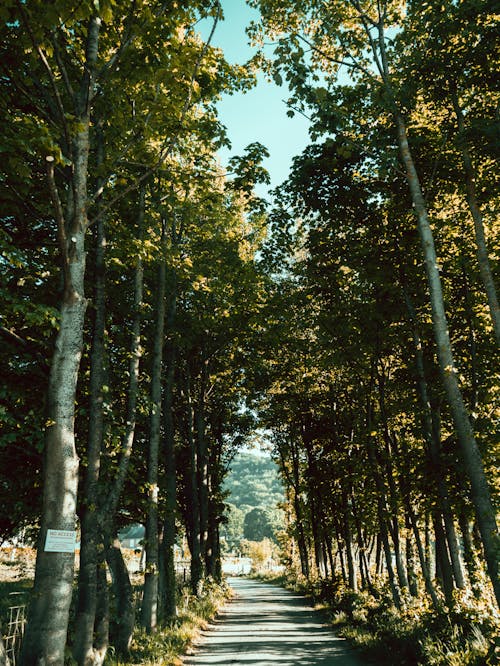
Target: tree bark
[
  {"x": 149, "y": 608},
  {"x": 90, "y": 536},
  {"x": 124, "y": 598},
  {"x": 347, "y": 532},
  {"x": 168, "y": 585},
  {"x": 480, "y": 491},
  {"x": 197, "y": 572},
  {"x": 48, "y": 614},
  {"x": 4, "y": 659},
  {"x": 202, "y": 463},
  {"x": 481, "y": 245}
]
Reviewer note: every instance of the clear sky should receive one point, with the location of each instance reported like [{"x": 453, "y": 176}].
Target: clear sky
[{"x": 260, "y": 114}]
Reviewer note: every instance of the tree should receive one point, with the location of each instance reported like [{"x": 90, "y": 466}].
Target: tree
[
  {"x": 367, "y": 53},
  {"x": 256, "y": 525}
]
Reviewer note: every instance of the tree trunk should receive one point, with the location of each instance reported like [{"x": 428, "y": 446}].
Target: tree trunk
[
  {"x": 480, "y": 491},
  {"x": 443, "y": 566},
  {"x": 481, "y": 495},
  {"x": 124, "y": 598},
  {"x": 469, "y": 554},
  {"x": 410, "y": 563},
  {"x": 48, "y": 614},
  {"x": 4, "y": 659},
  {"x": 481, "y": 246},
  {"x": 168, "y": 587},
  {"x": 197, "y": 572},
  {"x": 386, "y": 463},
  {"x": 431, "y": 432},
  {"x": 382, "y": 514},
  {"x": 110, "y": 504},
  {"x": 351, "y": 567},
  {"x": 101, "y": 621},
  {"x": 424, "y": 561},
  {"x": 299, "y": 520},
  {"x": 149, "y": 609},
  {"x": 90, "y": 536},
  {"x": 202, "y": 465}
]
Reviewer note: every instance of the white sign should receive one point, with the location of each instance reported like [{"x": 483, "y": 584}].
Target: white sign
[{"x": 60, "y": 541}]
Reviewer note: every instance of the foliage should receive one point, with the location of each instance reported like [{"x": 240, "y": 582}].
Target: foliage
[
  {"x": 260, "y": 552},
  {"x": 165, "y": 647},
  {"x": 254, "y": 490},
  {"x": 466, "y": 634}
]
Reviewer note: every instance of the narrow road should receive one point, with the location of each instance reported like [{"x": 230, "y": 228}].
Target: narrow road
[{"x": 265, "y": 625}]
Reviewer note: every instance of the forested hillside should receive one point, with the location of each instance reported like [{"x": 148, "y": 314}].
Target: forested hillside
[
  {"x": 156, "y": 314},
  {"x": 255, "y": 490},
  {"x": 253, "y": 481}
]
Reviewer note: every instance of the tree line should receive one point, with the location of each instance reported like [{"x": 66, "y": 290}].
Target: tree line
[
  {"x": 383, "y": 383},
  {"x": 129, "y": 287},
  {"x": 150, "y": 322}
]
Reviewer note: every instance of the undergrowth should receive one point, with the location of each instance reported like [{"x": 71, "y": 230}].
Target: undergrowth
[
  {"x": 465, "y": 633},
  {"x": 165, "y": 647}
]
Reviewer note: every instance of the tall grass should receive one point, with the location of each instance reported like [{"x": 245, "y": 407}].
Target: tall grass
[{"x": 169, "y": 643}]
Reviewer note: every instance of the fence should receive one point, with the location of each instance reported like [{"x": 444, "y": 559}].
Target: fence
[{"x": 14, "y": 632}]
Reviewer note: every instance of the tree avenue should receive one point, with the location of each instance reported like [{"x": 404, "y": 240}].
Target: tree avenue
[{"x": 156, "y": 313}]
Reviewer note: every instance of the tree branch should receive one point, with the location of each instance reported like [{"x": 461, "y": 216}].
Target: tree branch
[
  {"x": 47, "y": 66},
  {"x": 61, "y": 226},
  {"x": 345, "y": 63},
  {"x": 169, "y": 143}
]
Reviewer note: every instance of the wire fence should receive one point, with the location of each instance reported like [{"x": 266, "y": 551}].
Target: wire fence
[
  {"x": 14, "y": 633},
  {"x": 14, "y": 627}
]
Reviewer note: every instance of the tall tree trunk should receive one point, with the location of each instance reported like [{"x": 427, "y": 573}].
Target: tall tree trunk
[
  {"x": 480, "y": 491},
  {"x": 48, "y": 614},
  {"x": 168, "y": 585},
  {"x": 444, "y": 502},
  {"x": 111, "y": 502},
  {"x": 149, "y": 608},
  {"x": 410, "y": 562},
  {"x": 111, "y": 553},
  {"x": 294, "y": 480},
  {"x": 351, "y": 567},
  {"x": 393, "y": 522},
  {"x": 4, "y": 659},
  {"x": 431, "y": 432},
  {"x": 124, "y": 598},
  {"x": 381, "y": 496},
  {"x": 424, "y": 561},
  {"x": 101, "y": 621},
  {"x": 443, "y": 565},
  {"x": 197, "y": 572},
  {"x": 202, "y": 462},
  {"x": 481, "y": 245},
  {"x": 90, "y": 536},
  {"x": 470, "y": 557}
]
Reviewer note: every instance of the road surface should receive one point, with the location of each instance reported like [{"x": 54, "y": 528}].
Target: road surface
[{"x": 265, "y": 625}]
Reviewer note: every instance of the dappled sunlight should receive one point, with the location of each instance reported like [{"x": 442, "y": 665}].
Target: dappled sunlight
[{"x": 268, "y": 625}]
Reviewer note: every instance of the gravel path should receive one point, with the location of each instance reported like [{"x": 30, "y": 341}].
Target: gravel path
[{"x": 265, "y": 625}]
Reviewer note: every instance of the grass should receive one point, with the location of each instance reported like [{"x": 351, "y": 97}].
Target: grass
[
  {"x": 168, "y": 644},
  {"x": 465, "y": 634},
  {"x": 163, "y": 648}
]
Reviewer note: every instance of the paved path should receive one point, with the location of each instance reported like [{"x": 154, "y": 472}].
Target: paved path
[{"x": 265, "y": 625}]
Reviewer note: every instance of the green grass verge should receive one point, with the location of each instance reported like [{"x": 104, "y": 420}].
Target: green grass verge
[
  {"x": 170, "y": 643},
  {"x": 465, "y": 634}
]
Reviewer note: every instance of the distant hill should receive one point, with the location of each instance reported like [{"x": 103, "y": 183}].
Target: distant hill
[
  {"x": 255, "y": 489},
  {"x": 253, "y": 481}
]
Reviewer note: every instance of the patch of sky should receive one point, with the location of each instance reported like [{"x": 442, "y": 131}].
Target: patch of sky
[{"x": 261, "y": 113}]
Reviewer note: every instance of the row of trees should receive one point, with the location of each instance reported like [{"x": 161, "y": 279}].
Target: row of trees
[
  {"x": 382, "y": 399},
  {"x": 129, "y": 261},
  {"x": 129, "y": 281}
]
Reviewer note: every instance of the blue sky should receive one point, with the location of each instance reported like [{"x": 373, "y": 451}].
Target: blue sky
[{"x": 260, "y": 114}]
